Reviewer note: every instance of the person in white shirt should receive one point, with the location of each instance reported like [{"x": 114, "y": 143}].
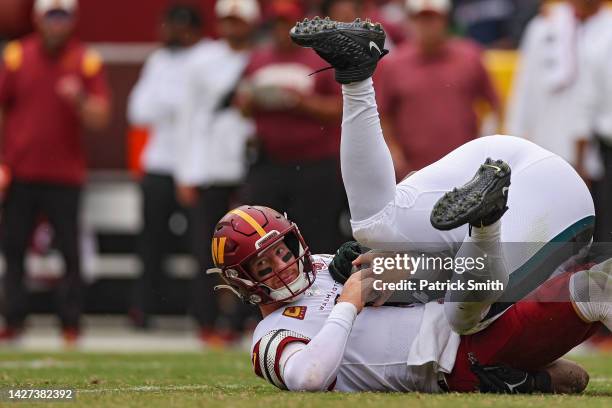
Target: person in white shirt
[
  {"x": 554, "y": 61},
  {"x": 316, "y": 334},
  {"x": 155, "y": 103},
  {"x": 211, "y": 143},
  {"x": 594, "y": 120}
]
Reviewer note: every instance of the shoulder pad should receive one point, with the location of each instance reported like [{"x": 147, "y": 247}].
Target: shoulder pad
[
  {"x": 12, "y": 55},
  {"x": 91, "y": 64}
]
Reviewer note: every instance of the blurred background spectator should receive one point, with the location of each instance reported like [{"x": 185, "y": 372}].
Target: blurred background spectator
[
  {"x": 545, "y": 101},
  {"x": 297, "y": 118},
  {"x": 493, "y": 23},
  {"x": 593, "y": 117},
  {"x": 51, "y": 86},
  {"x": 155, "y": 103},
  {"x": 342, "y": 10},
  {"x": 427, "y": 90},
  {"x": 390, "y": 14},
  {"x": 544, "y": 94},
  {"x": 212, "y": 146}
]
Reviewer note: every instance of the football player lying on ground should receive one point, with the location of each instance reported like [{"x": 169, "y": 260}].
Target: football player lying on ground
[
  {"x": 549, "y": 214},
  {"x": 317, "y": 335}
]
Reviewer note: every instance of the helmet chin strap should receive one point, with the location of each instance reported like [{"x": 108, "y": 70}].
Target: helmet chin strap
[{"x": 299, "y": 283}]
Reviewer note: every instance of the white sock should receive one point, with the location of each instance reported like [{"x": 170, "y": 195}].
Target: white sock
[
  {"x": 484, "y": 243},
  {"x": 489, "y": 233},
  {"x": 463, "y": 309},
  {"x": 486, "y": 240}
]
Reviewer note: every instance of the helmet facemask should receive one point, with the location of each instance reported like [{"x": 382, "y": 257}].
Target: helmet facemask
[{"x": 251, "y": 288}]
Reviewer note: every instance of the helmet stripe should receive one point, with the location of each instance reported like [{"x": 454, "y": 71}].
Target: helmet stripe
[
  {"x": 214, "y": 250},
  {"x": 250, "y": 220},
  {"x": 221, "y": 250}
]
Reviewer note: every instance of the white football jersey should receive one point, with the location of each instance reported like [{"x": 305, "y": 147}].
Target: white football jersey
[{"x": 381, "y": 344}]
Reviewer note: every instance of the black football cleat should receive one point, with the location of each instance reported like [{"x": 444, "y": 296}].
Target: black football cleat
[
  {"x": 499, "y": 379},
  {"x": 353, "y": 49},
  {"x": 480, "y": 202}
]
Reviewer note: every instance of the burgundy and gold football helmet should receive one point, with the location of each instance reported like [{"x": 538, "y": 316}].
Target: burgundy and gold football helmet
[{"x": 244, "y": 234}]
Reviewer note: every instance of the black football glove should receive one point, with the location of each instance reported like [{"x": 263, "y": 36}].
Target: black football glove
[
  {"x": 341, "y": 266},
  {"x": 498, "y": 379}
]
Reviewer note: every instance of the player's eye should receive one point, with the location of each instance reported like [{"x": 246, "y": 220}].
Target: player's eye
[{"x": 263, "y": 262}]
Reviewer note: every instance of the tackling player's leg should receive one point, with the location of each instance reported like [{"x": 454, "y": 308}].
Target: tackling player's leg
[
  {"x": 353, "y": 50},
  {"x": 481, "y": 203}
]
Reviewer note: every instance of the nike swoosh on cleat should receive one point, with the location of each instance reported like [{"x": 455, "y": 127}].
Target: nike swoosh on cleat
[
  {"x": 373, "y": 45},
  {"x": 513, "y": 386},
  {"x": 497, "y": 169}
]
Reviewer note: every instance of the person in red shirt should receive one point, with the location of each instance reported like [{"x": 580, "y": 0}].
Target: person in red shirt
[
  {"x": 427, "y": 89},
  {"x": 51, "y": 86},
  {"x": 297, "y": 119}
]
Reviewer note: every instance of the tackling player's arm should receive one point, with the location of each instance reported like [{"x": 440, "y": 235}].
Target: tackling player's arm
[{"x": 295, "y": 363}]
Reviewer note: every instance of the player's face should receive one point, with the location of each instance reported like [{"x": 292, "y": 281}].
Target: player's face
[{"x": 272, "y": 266}]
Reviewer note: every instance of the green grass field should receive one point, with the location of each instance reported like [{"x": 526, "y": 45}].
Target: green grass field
[{"x": 225, "y": 379}]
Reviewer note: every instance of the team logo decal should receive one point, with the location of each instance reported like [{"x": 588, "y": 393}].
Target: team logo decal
[
  {"x": 218, "y": 250},
  {"x": 296, "y": 312}
]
